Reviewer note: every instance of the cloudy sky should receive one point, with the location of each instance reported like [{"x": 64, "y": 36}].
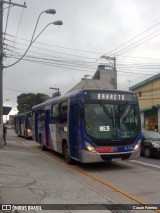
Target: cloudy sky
[{"x": 126, "y": 29}]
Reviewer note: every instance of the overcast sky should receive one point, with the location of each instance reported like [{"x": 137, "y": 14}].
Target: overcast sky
[{"x": 62, "y": 55}]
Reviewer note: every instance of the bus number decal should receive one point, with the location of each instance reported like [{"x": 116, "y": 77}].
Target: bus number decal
[{"x": 104, "y": 128}]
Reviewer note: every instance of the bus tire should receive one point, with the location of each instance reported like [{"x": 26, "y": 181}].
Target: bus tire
[
  {"x": 25, "y": 135},
  {"x": 66, "y": 154},
  {"x": 43, "y": 148}
]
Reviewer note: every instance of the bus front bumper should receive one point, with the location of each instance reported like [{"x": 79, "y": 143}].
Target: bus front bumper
[{"x": 93, "y": 157}]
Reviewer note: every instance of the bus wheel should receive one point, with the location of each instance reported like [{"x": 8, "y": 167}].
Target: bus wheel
[
  {"x": 25, "y": 135},
  {"x": 41, "y": 144},
  {"x": 66, "y": 154}
]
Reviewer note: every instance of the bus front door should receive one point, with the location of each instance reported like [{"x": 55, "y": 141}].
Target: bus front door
[
  {"x": 47, "y": 132},
  {"x": 74, "y": 131}
]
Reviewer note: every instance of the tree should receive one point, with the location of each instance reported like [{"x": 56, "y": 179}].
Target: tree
[{"x": 27, "y": 100}]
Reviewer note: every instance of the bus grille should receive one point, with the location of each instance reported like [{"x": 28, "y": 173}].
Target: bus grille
[
  {"x": 113, "y": 143},
  {"x": 122, "y": 156}
]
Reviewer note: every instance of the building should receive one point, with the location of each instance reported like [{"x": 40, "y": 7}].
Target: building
[
  {"x": 11, "y": 119},
  {"x": 6, "y": 110},
  {"x": 104, "y": 77},
  {"x": 148, "y": 92}
]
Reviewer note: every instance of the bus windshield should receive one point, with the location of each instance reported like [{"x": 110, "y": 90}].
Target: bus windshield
[{"x": 111, "y": 121}]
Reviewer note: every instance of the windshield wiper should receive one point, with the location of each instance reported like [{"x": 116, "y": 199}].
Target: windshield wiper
[{"x": 106, "y": 110}]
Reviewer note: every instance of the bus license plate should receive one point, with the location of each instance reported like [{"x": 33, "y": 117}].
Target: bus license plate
[{"x": 116, "y": 159}]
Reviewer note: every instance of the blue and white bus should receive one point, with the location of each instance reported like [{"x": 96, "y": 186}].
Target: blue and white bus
[
  {"x": 90, "y": 125},
  {"x": 23, "y": 124}
]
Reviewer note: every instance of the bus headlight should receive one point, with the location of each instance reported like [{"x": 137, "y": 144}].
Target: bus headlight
[
  {"x": 89, "y": 147},
  {"x": 137, "y": 146}
]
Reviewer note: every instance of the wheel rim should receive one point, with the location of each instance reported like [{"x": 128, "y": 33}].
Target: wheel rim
[
  {"x": 66, "y": 154},
  {"x": 41, "y": 144}
]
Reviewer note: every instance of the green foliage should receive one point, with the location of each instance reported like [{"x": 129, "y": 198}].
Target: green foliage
[{"x": 27, "y": 100}]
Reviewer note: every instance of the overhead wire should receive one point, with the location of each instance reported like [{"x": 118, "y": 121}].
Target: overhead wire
[
  {"x": 64, "y": 64},
  {"x": 20, "y": 91},
  {"x": 109, "y": 53},
  {"x": 78, "y": 63},
  {"x": 63, "y": 53},
  {"x": 7, "y": 21},
  {"x": 62, "y": 47},
  {"x": 133, "y": 38},
  {"x": 56, "y": 51},
  {"x": 120, "y": 65},
  {"x": 51, "y": 45},
  {"x": 17, "y": 30},
  {"x": 47, "y": 55},
  {"x": 139, "y": 44},
  {"x": 133, "y": 66}
]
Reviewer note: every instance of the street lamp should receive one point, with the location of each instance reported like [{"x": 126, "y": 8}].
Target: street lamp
[
  {"x": 32, "y": 41},
  {"x": 49, "y": 11}
]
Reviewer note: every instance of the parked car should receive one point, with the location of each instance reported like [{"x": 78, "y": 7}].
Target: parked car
[{"x": 150, "y": 144}]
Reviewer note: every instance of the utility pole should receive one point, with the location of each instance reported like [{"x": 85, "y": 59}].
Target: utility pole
[
  {"x": 114, "y": 68},
  {"x": 1, "y": 65},
  {"x": 1, "y": 74}
]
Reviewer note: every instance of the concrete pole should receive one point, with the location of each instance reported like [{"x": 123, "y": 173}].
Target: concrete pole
[
  {"x": 114, "y": 68},
  {"x": 1, "y": 65},
  {"x": 1, "y": 73},
  {"x": 115, "y": 73}
]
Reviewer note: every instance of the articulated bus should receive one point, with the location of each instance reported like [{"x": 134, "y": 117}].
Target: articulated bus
[
  {"x": 90, "y": 125},
  {"x": 23, "y": 124}
]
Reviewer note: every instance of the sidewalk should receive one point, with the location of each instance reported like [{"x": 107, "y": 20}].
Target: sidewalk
[{"x": 28, "y": 177}]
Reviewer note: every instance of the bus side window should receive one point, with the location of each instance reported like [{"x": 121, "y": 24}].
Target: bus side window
[
  {"x": 41, "y": 115},
  {"x": 63, "y": 112},
  {"x": 55, "y": 114}
]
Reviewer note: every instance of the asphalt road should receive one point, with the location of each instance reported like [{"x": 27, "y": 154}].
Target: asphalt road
[{"x": 29, "y": 175}]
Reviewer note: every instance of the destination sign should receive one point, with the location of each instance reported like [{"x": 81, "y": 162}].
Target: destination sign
[
  {"x": 106, "y": 96},
  {"x": 110, "y": 96}
]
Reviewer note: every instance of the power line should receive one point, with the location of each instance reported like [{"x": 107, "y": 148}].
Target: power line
[
  {"x": 138, "y": 57},
  {"x": 51, "y": 45},
  {"x": 63, "y": 53},
  {"x": 7, "y": 19},
  {"x": 20, "y": 91},
  {"x": 120, "y": 65},
  {"x": 76, "y": 63},
  {"x": 17, "y": 31},
  {"x": 53, "y": 56},
  {"x": 140, "y": 43},
  {"x": 62, "y": 47},
  {"x": 133, "y": 38}
]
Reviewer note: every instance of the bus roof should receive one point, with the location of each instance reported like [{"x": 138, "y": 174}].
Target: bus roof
[
  {"x": 23, "y": 114},
  {"x": 71, "y": 94}
]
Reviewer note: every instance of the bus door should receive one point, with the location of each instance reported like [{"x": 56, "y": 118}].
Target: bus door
[
  {"x": 47, "y": 132},
  {"x": 35, "y": 126},
  {"x": 74, "y": 130}
]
